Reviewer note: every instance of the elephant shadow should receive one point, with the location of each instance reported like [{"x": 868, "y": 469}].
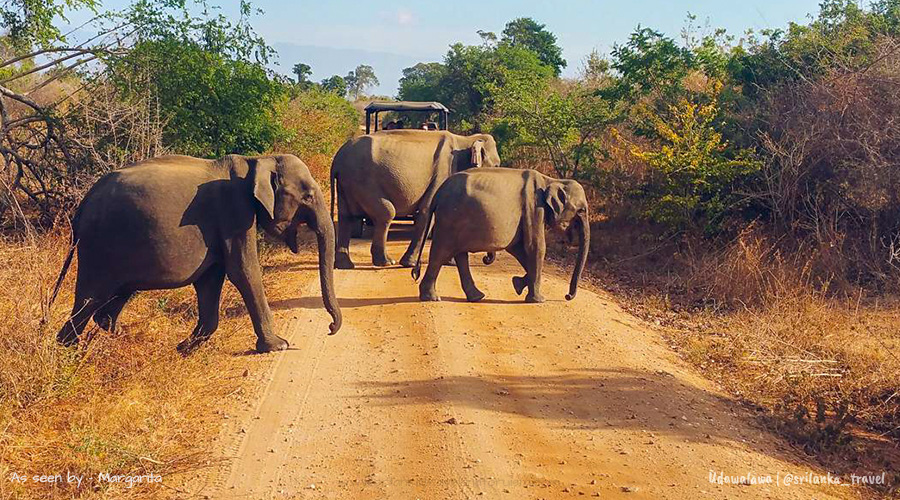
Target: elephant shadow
[{"x": 315, "y": 302}]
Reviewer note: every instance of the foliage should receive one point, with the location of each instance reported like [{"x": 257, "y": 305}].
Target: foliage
[
  {"x": 468, "y": 78},
  {"x": 694, "y": 175},
  {"x": 566, "y": 122},
  {"x": 302, "y": 71},
  {"x": 360, "y": 80},
  {"x": 335, "y": 84},
  {"x": 31, "y": 22},
  {"x": 420, "y": 82},
  {"x": 316, "y": 124},
  {"x": 525, "y": 32},
  {"x": 212, "y": 105},
  {"x": 207, "y": 73}
]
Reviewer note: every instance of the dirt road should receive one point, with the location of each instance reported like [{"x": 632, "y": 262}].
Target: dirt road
[{"x": 499, "y": 399}]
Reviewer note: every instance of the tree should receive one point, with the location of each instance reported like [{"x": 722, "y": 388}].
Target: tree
[
  {"x": 31, "y": 22},
  {"x": 525, "y": 32},
  {"x": 420, "y": 82},
  {"x": 302, "y": 71},
  {"x": 335, "y": 84},
  {"x": 360, "y": 80},
  {"x": 467, "y": 79},
  {"x": 214, "y": 105}
]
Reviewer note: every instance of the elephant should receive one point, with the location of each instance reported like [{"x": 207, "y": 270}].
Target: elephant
[
  {"x": 396, "y": 173},
  {"x": 492, "y": 209},
  {"x": 174, "y": 221}
]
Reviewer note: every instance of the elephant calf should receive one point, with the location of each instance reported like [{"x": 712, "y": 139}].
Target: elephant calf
[
  {"x": 175, "y": 221},
  {"x": 492, "y": 209}
]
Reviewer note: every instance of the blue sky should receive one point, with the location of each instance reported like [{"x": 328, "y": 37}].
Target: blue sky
[{"x": 333, "y": 36}]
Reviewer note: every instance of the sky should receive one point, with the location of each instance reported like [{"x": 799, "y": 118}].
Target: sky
[{"x": 334, "y": 36}]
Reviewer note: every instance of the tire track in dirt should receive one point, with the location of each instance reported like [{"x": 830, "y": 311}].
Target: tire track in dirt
[{"x": 493, "y": 400}]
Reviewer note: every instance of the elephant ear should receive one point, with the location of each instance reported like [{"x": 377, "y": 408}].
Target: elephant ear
[
  {"x": 477, "y": 148},
  {"x": 264, "y": 184},
  {"x": 555, "y": 200}
]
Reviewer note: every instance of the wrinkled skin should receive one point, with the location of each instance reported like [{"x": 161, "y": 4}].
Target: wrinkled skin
[
  {"x": 396, "y": 173},
  {"x": 491, "y": 209},
  {"x": 175, "y": 221}
]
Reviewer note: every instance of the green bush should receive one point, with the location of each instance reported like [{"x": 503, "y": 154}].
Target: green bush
[
  {"x": 212, "y": 104},
  {"x": 694, "y": 176}
]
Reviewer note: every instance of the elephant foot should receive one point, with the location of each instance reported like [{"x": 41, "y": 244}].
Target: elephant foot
[
  {"x": 429, "y": 297},
  {"x": 407, "y": 261},
  {"x": 519, "y": 283},
  {"x": 187, "y": 346},
  {"x": 383, "y": 262},
  {"x": 475, "y": 295},
  {"x": 534, "y": 299},
  {"x": 342, "y": 261},
  {"x": 271, "y": 345}
]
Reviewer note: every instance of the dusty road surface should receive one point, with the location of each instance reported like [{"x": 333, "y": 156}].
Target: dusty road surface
[{"x": 499, "y": 399}]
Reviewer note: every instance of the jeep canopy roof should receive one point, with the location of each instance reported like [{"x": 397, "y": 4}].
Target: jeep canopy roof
[{"x": 403, "y": 106}]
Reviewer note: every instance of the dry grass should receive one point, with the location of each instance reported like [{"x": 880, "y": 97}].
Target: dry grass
[
  {"x": 821, "y": 363},
  {"x": 119, "y": 404}
]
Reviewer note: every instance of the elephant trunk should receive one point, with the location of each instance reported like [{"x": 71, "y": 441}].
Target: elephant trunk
[
  {"x": 324, "y": 229},
  {"x": 584, "y": 243}
]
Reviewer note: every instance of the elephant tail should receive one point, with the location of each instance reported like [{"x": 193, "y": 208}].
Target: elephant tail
[
  {"x": 333, "y": 190},
  {"x": 63, "y": 272},
  {"x": 417, "y": 269},
  {"x": 68, "y": 262}
]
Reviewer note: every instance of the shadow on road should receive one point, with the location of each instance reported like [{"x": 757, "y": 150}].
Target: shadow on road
[
  {"x": 582, "y": 399},
  {"x": 315, "y": 302}
]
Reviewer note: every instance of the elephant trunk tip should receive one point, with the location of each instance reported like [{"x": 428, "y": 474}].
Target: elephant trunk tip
[
  {"x": 570, "y": 296},
  {"x": 335, "y": 325}
]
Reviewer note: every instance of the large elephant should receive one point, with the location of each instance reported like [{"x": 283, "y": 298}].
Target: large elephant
[
  {"x": 396, "y": 173},
  {"x": 493, "y": 209},
  {"x": 175, "y": 221}
]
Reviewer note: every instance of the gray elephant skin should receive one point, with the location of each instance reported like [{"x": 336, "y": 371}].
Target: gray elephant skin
[
  {"x": 491, "y": 209},
  {"x": 396, "y": 173},
  {"x": 175, "y": 221}
]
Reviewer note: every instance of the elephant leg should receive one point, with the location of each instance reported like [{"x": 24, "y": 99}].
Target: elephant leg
[
  {"x": 84, "y": 307},
  {"x": 535, "y": 261},
  {"x": 436, "y": 259},
  {"x": 244, "y": 271},
  {"x": 473, "y": 294},
  {"x": 209, "y": 294},
  {"x": 420, "y": 230},
  {"x": 108, "y": 314},
  {"x": 533, "y": 266},
  {"x": 381, "y": 217},
  {"x": 345, "y": 228}
]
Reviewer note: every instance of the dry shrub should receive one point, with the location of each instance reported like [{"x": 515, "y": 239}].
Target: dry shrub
[
  {"x": 68, "y": 135},
  {"x": 317, "y": 123},
  {"x": 122, "y": 403},
  {"x": 831, "y": 173}
]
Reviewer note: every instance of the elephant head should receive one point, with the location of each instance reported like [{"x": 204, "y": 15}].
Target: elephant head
[
  {"x": 566, "y": 210},
  {"x": 484, "y": 151},
  {"x": 290, "y": 196}
]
